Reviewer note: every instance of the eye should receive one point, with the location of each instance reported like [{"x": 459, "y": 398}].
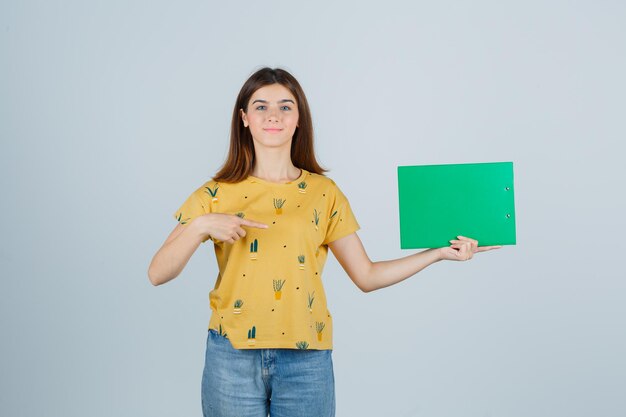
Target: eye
[
  {"x": 258, "y": 107},
  {"x": 287, "y": 107}
]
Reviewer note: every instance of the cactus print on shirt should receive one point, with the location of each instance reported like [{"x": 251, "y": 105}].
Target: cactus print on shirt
[{"x": 269, "y": 292}]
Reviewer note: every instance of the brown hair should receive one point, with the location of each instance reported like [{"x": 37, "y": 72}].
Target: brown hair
[{"x": 240, "y": 159}]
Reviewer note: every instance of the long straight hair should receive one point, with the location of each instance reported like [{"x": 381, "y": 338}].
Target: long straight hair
[{"x": 240, "y": 160}]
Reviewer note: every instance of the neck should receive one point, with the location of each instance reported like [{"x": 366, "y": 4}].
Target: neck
[{"x": 274, "y": 165}]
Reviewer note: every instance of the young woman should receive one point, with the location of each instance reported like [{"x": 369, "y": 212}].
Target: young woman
[{"x": 272, "y": 215}]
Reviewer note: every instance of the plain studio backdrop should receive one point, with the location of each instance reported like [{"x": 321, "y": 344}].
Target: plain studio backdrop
[{"x": 112, "y": 113}]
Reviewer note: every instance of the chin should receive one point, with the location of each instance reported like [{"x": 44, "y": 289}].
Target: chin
[{"x": 275, "y": 143}]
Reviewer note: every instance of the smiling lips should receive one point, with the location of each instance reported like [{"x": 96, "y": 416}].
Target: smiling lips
[{"x": 272, "y": 130}]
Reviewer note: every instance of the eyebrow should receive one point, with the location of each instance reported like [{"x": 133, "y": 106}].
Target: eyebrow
[{"x": 279, "y": 101}]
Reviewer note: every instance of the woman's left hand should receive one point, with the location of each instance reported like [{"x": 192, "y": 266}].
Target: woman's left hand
[{"x": 463, "y": 249}]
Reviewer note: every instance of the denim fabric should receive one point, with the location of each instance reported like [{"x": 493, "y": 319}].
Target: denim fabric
[{"x": 262, "y": 382}]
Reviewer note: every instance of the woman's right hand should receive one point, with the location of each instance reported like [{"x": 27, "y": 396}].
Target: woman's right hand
[{"x": 226, "y": 227}]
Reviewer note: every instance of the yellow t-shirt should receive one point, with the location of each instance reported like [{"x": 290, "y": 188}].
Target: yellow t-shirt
[{"x": 269, "y": 291}]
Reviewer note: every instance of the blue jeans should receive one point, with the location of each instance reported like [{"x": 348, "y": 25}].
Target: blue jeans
[{"x": 255, "y": 382}]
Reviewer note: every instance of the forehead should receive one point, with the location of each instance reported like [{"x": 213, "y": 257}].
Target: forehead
[{"x": 272, "y": 93}]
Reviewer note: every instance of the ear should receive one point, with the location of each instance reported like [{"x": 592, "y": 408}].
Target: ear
[{"x": 243, "y": 117}]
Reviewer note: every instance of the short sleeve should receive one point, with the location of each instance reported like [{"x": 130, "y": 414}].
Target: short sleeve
[
  {"x": 197, "y": 204},
  {"x": 341, "y": 219}
]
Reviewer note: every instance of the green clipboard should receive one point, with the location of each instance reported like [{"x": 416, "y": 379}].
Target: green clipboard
[{"x": 440, "y": 202}]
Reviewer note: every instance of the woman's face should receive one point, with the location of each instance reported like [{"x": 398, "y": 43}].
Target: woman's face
[{"x": 272, "y": 116}]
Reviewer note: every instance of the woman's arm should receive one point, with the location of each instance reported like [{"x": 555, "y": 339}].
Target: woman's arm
[
  {"x": 370, "y": 276},
  {"x": 175, "y": 252},
  {"x": 183, "y": 241}
]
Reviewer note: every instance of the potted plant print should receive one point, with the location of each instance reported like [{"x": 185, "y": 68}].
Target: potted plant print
[
  {"x": 237, "y": 307},
  {"x": 252, "y": 336},
  {"x": 319, "y": 328},
  {"x": 278, "y": 205},
  {"x": 302, "y": 344},
  {"x": 278, "y": 286},
  {"x": 254, "y": 247},
  {"x": 310, "y": 303},
  {"x": 213, "y": 193}
]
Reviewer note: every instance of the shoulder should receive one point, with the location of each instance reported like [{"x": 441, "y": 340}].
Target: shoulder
[
  {"x": 208, "y": 190},
  {"x": 321, "y": 181},
  {"x": 203, "y": 188},
  {"x": 211, "y": 184},
  {"x": 215, "y": 187},
  {"x": 328, "y": 188},
  {"x": 217, "y": 191}
]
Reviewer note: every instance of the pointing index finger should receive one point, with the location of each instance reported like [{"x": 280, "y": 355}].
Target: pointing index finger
[{"x": 252, "y": 223}]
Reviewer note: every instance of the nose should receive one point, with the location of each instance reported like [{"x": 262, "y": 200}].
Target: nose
[{"x": 272, "y": 114}]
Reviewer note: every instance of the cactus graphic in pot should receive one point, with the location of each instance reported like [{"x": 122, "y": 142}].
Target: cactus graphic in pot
[
  {"x": 252, "y": 336},
  {"x": 237, "y": 306},
  {"x": 301, "y": 261},
  {"x": 222, "y": 332},
  {"x": 319, "y": 328},
  {"x": 254, "y": 247},
  {"x": 302, "y": 187},
  {"x": 213, "y": 193},
  {"x": 310, "y": 302},
  {"x": 278, "y": 205},
  {"x": 302, "y": 344},
  {"x": 278, "y": 286}
]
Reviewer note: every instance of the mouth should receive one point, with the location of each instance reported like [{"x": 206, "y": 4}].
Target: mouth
[{"x": 272, "y": 130}]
